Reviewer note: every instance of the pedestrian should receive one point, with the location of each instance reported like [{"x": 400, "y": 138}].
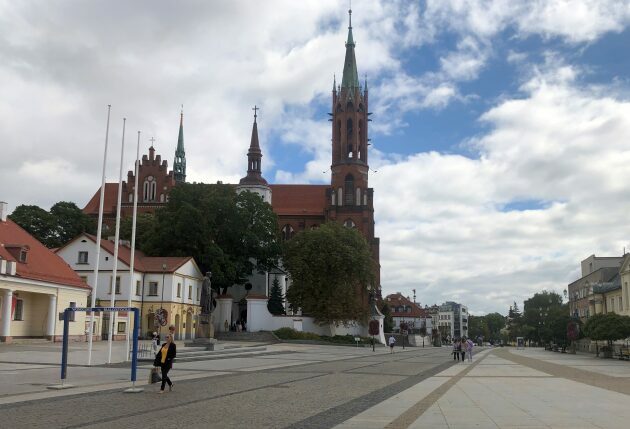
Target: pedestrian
[
  {"x": 456, "y": 349},
  {"x": 155, "y": 342},
  {"x": 171, "y": 330},
  {"x": 164, "y": 359},
  {"x": 462, "y": 348},
  {"x": 226, "y": 325},
  {"x": 469, "y": 348},
  {"x": 238, "y": 326},
  {"x": 391, "y": 343}
]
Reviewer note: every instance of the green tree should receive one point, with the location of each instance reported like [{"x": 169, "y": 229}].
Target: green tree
[
  {"x": 70, "y": 221},
  {"x": 55, "y": 228},
  {"x": 542, "y": 313},
  {"x": 331, "y": 270},
  {"x": 231, "y": 235},
  {"x": 37, "y": 222},
  {"x": 388, "y": 322},
  {"x": 146, "y": 226},
  {"x": 276, "y": 299},
  {"x": 495, "y": 322},
  {"x": 607, "y": 327}
]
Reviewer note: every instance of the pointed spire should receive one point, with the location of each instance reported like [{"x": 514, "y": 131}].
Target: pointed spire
[
  {"x": 334, "y": 83},
  {"x": 365, "y": 86},
  {"x": 350, "y": 75},
  {"x": 254, "y": 157},
  {"x": 179, "y": 165}
]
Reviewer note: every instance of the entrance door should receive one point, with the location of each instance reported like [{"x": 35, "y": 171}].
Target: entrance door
[
  {"x": 189, "y": 324},
  {"x": 105, "y": 325}
]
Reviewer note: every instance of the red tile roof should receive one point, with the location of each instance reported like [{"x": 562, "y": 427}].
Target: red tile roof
[
  {"x": 41, "y": 263},
  {"x": 299, "y": 199},
  {"x": 109, "y": 204},
  {"x": 142, "y": 262},
  {"x": 397, "y": 300}
]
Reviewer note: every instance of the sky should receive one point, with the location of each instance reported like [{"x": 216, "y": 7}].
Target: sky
[{"x": 500, "y": 133}]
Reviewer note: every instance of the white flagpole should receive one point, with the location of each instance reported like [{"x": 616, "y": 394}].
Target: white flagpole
[
  {"x": 133, "y": 243},
  {"x": 117, "y": 239},
  {"x": 98, "y": 241}
]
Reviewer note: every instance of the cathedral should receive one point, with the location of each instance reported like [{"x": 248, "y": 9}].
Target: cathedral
[{"x": 348, "y": 199}]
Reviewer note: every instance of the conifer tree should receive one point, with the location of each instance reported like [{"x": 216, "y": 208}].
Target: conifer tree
[{"x": 276, "y": 299}]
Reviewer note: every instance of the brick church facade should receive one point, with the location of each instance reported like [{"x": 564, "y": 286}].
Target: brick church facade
[{"x": 348, "y": 199}]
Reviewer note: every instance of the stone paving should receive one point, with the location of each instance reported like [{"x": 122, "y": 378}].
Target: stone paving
[{"x": 304, "y": 386}]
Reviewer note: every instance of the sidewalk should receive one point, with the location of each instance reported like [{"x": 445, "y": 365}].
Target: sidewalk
[{"x": 508, "y": 388}]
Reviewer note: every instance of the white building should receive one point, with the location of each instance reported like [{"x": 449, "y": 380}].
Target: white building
[
  {"x": 453, "y": 320},
  {"x": 171, "y": 283},
  {"x": 36, "y": 286}
]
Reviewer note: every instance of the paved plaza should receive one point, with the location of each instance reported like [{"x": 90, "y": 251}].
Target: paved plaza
[{"x": 308, "y": 386}]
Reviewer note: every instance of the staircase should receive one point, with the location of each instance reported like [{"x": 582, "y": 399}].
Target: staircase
[
  {"x": 259, "y": 337},
  {"x": 189, "y": 354}
]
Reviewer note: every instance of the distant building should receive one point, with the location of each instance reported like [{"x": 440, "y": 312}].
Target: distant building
[
  {"x": 453, "y": 320},
  {"x": 36, "y": 286},
  {"x": 600, "y": 289},
  {"x": 171, "y": 283},
  {"x": 403, "y": 310}
]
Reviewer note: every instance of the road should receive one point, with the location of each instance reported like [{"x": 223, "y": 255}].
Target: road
[{"x": 314, "y": 389}]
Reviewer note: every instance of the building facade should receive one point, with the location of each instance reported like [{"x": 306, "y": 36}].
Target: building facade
[
  {"x": 36, "y": 286},
  {"x": 170, "y": 283},
  {"x": 453, "y": 320}
]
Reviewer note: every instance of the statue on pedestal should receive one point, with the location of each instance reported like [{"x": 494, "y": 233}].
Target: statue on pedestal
[{"x": 205, "y": 327}]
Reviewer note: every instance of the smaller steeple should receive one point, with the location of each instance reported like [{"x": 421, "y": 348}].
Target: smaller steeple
[
  {"x": 254, "y": 157},
  {"x": 350, "y": 76},
  {"x": 179, "y": 165}
]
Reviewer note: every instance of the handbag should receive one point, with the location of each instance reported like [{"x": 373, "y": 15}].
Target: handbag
[{"x": 154, "y": 376}]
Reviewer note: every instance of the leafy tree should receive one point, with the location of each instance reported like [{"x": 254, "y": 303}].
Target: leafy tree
[
  {"x": 55, "y": 228},
  {"x": 544, "y": 314},
  {"x": 146, "y": 226},
  {"x": 36, "y": 221},
  {"x": 331, "y": 268},
  {"x": 494, "y": 322},
  {"x": 607, "y": 327},
  {"x": 388, "y": 322},
  {"x": 276, "y": 300},
  {"x": 227, "y": 233}
]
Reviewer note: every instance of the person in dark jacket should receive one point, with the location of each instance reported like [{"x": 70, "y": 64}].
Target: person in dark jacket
[{"x": 164, "y": 359}]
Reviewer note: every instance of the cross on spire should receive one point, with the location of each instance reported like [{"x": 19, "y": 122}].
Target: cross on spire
[
  {"x": 255, "y": 109},
  {"x": 152, "y": 140}
]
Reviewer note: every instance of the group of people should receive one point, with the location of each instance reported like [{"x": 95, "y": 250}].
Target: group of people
[
  {"x": 463, "y": 347},
  {"x": 237, "y": 326}
]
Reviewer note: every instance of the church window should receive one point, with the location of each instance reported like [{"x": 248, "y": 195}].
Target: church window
[
  {"x": 349, "y": 139},
  {"x": 361, "y": 151},
  {"x": 287, "y": 232},
  {"x": 349, "y": 223},
  {"x": 145, "y": 191},
  {"x": 340, "y": 197},
  {"x": 332, "y": 198},
  {"x": 130, "y": 197},
  {"x": 358, "y": 200},
  {"x": 349, "y": 190},
  {"x": 161, "y": 198},
  {"x": 153, "y": 190}
]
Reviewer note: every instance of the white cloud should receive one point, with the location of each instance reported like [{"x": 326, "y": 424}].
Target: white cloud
[{"x": 443, "y": 228}]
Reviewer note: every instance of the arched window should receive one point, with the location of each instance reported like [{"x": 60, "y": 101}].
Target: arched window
[
  {"x": 145, "y": 190},
  {"x": 161, "y": 198},
  {"x": 153, "y": 190},
  {"x": 349, "y": 223},
  {"x": 340, "y": 197},
  {"x": 130, "y": 197},
  {"x": 287, "y": 232},
  {"x": 358, "y": 200},
  {"x": 332, "y": 197},
  {"x": 349, "y": 137},
  {"x": 361, "y": 151},
  {"x": 349, "y": 190}
]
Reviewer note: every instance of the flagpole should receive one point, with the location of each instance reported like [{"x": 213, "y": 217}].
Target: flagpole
[
  {"x": 98, "y": 241},
  {"x": 117, "y": 239},
  {"x": 133, "y": 242}
]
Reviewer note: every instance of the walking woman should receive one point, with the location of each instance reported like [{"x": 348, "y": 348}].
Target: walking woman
[
  {"x": 164, "y": 359},
  {"x": 457, "y": 347}
]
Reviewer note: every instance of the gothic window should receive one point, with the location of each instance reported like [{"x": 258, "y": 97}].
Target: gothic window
[
  {"x": 349, "y": 139},
  {"x": 153, "y": 190},
  {"x": 338, "y": 110},
  {"x": 287, "y": 232},
  {"x": 340, "y": 197},
  {"x": 349, "y": 190},
  {"x": 161, "y": 198},
  {"x": 349, "y": 223},
  {"x": 332, "y": 194},
  {"x": 145, "y": 191},
  {"x": 361, "y": 139},
  {"x": 130, "y": 197},
  {"x": 358, "y": 200}
]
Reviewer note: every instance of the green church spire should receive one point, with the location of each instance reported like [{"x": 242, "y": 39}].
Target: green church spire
[
  {"x": 350, "y": 75},
  {"x": 179, "y": 166}
]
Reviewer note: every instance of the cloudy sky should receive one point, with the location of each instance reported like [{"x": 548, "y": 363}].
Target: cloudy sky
[{"x": 500, "y": 134}]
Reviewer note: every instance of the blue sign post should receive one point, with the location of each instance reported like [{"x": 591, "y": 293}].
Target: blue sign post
[{"x": 134, "y": 355}]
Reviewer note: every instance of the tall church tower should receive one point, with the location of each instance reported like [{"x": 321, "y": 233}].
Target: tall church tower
[
  {"x": 179, "y": 165},
  {"x": 254, "y": 181},
  {"x": 350, "y": 198}
]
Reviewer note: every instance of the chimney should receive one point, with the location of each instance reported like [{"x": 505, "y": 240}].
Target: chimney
[{"x": 4, "y": 209}]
